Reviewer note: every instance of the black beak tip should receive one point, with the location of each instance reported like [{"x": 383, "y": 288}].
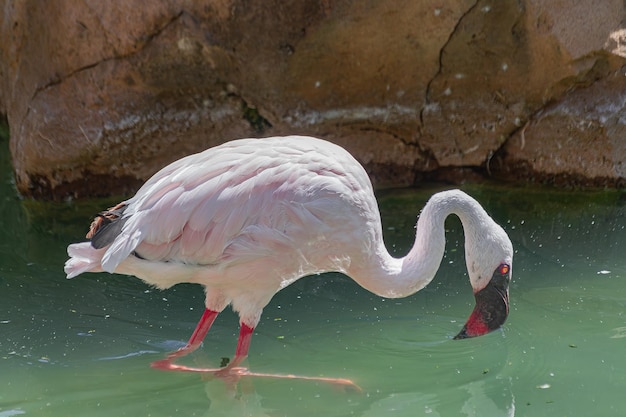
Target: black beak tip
[{"x": 462, "y": 334}]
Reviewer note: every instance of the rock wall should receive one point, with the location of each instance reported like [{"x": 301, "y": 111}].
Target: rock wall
[{"x": 100, "y": 95}]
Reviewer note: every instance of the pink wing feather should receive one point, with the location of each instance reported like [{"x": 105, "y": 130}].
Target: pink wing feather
[{"x": 232, "y": 196}]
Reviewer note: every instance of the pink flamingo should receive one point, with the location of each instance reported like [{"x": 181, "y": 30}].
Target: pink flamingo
[{"x": 249, "y": 217}]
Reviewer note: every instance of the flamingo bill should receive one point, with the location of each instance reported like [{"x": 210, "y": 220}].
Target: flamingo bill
[{"x": 491, "y": 310}]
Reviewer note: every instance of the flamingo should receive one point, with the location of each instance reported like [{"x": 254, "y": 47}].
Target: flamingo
[{"x": 249, "y": 217}]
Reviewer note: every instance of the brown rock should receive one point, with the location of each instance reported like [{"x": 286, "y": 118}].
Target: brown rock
[
  {"x": 578, "y": 141},
  {"x": 99, "y": 96}
]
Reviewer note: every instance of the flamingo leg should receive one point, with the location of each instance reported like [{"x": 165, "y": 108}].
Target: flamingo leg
[
  {"x": 202, "y": 328},
  {"x": 198, "y": 335},
  {"x": 243, "y": 344},
  {"x": 232, "y": 372}
]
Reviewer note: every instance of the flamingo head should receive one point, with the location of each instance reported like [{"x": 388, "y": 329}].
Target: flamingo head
[
  {"x": 489, "y": 258},
  {"x": 492, "y": 305}
]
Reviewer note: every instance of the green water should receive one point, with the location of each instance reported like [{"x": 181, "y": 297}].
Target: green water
[{"x": 83, "y": 347}]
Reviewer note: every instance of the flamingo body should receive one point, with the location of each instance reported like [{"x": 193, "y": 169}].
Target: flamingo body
[{"x": 249, "y": 217}]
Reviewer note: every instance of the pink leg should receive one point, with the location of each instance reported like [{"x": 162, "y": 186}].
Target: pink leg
[
  {"x": 233, "y": 372},
  {"x": 207, "y": 319},
  {"x": 198, "y": 335},
  {"x": 243, "y": 344}
]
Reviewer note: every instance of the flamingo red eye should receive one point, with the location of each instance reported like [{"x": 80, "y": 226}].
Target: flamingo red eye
[{"x": 504, "y": 269}]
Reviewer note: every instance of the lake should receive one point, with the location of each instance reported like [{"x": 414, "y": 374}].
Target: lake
[{"x": 83, "y": 347}]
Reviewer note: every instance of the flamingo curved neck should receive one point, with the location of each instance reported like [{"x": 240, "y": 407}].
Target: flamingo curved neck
[{"x": 392, "y": 277}]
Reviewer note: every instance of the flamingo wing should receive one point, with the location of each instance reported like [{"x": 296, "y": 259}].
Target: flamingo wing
[{"x": 242, "y": 196}]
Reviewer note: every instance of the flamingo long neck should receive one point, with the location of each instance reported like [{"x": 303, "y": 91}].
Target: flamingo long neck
[{"x": 392, "y": 277}]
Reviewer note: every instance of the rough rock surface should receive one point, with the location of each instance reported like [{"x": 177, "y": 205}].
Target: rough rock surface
[
  {"x": 580, "y": 139},
  {"x": 99, "y": 96}
]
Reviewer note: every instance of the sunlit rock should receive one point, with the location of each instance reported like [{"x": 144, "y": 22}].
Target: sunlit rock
[{"x": 99, "y": 96}]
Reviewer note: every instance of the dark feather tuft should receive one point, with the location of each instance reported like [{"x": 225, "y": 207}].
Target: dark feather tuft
[{"x": 107, "y": 226}]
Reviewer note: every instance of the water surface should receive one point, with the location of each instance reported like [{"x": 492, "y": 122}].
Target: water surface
[{"x": 83, "y": 347}]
